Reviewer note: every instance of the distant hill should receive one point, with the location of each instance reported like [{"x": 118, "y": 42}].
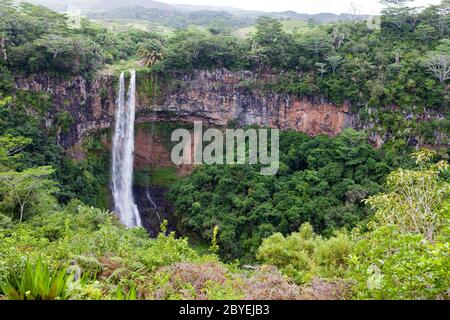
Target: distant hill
[
  {"x": 100, "y": 5},
  {"x": 179, "y": 16},
  {"x": 172, "y": 18},
  {"x": 318, "y": 18},
  {"x": 191, "y": 7}
]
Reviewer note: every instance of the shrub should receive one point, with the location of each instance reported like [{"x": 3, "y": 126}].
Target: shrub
[
  {"x": 303, "y": 255},
  {"x": 321, "y": 289},
  {"x": 167, "y": 250},
  {"x": 194, "y": 281},
  {"x": 404, "y": 255},
  {"x": 89, "y": 265},
  {"x": 269, "y": 284},
  {"x": 37, "y": 282}
]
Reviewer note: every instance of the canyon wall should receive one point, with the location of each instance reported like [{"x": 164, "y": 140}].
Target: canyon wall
[{"x": 215, "y": 97}]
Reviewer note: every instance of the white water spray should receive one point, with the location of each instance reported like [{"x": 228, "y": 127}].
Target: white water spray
[{"x": 123, "y": 154}]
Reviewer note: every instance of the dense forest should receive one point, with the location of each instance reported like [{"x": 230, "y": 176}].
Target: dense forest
[{"x": 345, "y": 217}]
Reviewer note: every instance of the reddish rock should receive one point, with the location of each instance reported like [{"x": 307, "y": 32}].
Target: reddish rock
[{"x": 214, "y": 97}]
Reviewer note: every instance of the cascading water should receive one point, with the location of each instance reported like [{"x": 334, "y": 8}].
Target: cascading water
[
  {"x": 153, "y": 203},
  {"x": 123, "y": 154}
]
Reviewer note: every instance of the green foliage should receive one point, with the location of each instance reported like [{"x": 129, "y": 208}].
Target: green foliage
[
  {"x": 130, "y": 295},
  {"x": 27, "y": 192},
  {"x": 178, "y": 19},
  {"x": 437, "y": 61},
  {"x": 85, "y": 179},
  {"x": 321, "y": 180},
  {"x": 92, "y": 241},
  {"x": 150, "y": 52},
  {"x": 304, "y": 255},
  {"x": 64, "y": 120},
  {"x": 389, "y": 264},
  {"x": 30, "y": 143},
  {"x": 37, "y": 282},
  {"x": 415, "y": 198},
  {"x": 194, "y": 48},
  {"x": 166, "y": 250},
  {"x": 89, "y": 265},
  {"x": 10, "y": 148},
  {"x": 396, "y": 80},
  {"x": 35, "y": 39},
  {"x": 400, "y": 73},
  {"x": 214, "y": 248},
  {"x": 162, "y": 177},
  {"x": 271, "y": 44},
  {"x": 222, "y": 291},
  {"x": 405, "y": 253}
]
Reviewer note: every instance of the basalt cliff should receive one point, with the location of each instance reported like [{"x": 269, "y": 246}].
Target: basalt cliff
[{"x": 217, "y": 98}]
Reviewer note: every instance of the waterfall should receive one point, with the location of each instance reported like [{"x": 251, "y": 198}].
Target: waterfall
[
  {"x": 123, "y": 154},
  {"x": 153, "y": 203}
]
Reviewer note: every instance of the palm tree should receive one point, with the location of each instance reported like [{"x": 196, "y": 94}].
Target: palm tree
[{"x": 150, "y": 52}]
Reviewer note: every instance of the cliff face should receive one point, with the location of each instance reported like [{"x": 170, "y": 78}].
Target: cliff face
[
  {"x": 221, "y": 96},
  {"x": 216, "y": 98},
  {"x": 91, "y": 103}
]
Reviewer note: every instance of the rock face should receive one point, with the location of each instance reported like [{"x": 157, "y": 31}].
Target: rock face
[
  {"x": 91, "y": 103},
  {"x": 215, "y": 97},
  {"x": 220, "y": 97}
]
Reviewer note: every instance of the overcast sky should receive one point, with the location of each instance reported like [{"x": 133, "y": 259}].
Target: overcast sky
[{"x": 301, "y": 6}]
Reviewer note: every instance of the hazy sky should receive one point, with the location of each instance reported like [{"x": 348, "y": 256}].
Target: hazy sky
[{"x": 302, "y": 6}]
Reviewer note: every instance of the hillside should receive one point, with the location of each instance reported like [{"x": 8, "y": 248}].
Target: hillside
[
  {"x": 180, "y": 16},
  {"x": 100, "y": 5},
  {"x": 171, "y": 18}
]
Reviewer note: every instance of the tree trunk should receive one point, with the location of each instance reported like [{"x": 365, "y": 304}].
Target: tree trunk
[
  {"x": 3, "y": 49},
  {"x": 22, "y": 208}
]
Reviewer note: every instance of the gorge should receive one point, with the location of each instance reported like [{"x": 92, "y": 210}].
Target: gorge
[
  {"x": 94, "y": 207},
  {"x": 218, "y": 98}
]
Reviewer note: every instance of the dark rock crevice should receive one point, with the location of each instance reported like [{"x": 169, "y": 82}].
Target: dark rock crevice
[{"x": 154, "y": 208}]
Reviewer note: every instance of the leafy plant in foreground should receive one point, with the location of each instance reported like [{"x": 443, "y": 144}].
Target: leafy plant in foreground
[
  {"x": 405, "y": 253},
  {"x": 37, "y": 282}
]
